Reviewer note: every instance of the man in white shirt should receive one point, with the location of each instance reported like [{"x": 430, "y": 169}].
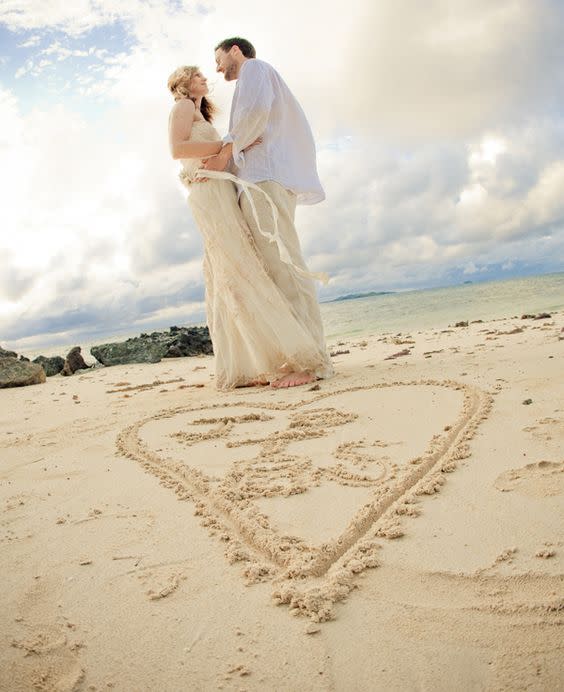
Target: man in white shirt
[{"x": 283, "y": 165}]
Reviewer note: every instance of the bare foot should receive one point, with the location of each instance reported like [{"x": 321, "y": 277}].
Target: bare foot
[
  {"x": 293, "y": 379},
  {"x": 254, "y": 383}
]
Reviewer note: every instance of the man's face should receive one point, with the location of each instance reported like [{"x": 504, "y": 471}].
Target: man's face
[{"x": 227, "y": 64}]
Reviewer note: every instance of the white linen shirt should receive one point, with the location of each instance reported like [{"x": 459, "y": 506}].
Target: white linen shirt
[{"x": 263, "y": 106}]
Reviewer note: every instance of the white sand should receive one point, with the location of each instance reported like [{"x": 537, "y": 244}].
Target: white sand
[{"x": 159, "y": 535}]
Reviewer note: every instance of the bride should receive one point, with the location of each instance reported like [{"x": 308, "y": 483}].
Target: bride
[{"x": 256, "y": 334}]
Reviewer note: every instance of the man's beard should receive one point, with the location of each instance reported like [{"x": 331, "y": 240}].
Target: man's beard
[{"x": 230, "y": 72}]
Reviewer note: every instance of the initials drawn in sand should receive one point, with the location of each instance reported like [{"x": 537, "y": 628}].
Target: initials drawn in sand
[{"x": 305, "y": 503}]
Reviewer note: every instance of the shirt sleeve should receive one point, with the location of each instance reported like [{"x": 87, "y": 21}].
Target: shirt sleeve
[{"x": 252, "y": 110}]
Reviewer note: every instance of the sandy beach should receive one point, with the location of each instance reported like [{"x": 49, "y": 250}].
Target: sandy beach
[{"x": 398, "y": 527}]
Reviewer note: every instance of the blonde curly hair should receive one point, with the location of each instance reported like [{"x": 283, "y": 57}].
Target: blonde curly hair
[{"x": 179, "y": 86}]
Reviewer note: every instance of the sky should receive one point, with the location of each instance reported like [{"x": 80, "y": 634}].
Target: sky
[{"x": 440, "y": 139}]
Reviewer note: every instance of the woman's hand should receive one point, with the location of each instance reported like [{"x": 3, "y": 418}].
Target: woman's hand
[
  {"x": 258, "y": 140},
  {"x": 220, "y": 161},
  {"x": 215, "y": 163}
]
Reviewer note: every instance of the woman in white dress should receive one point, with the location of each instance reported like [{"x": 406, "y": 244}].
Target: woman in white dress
[{"x": 256, "y": 334}]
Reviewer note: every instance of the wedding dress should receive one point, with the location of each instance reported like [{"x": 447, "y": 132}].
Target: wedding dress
[{"x": 255, "y": 332}]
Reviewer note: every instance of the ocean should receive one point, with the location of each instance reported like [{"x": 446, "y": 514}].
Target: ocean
[
  {"x": 439, "y": 307},
  {"x": 405, "y": 311}
]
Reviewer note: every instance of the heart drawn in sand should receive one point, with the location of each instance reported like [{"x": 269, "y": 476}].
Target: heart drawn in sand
[{"x": 306, "y": 501}]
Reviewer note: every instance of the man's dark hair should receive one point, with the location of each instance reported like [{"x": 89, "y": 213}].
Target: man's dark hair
[{"x": 246, "y": 47}]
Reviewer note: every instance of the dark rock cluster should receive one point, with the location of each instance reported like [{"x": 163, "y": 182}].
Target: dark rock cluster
[
  {"x": 540, "y": 316},
  {"x": 146, "y": 348},
  {"x": 151, "y": 348},
  {"x": 21, "y": 372}
]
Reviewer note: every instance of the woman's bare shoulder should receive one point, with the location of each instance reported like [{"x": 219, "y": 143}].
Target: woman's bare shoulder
[{"x": 183, "y": 106}]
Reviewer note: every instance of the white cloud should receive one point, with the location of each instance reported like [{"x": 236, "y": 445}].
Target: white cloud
[
  {"x": 470, "y": 268},
  {"x": 24, "y": 69},
  {"x": 62, "y": 53},
  {"x": 452, "y": 69},
  {"x": 74, "y": 18},
  {"x": 31, "y": 42},
  {"x": 433, "y": 159}
]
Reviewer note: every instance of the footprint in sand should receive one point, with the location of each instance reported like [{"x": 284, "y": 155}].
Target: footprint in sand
[
  {"x": 47, "y": 651},
  {"x": 547, "y": 429},
  {"x": 542, "y": 479},
  {"x": 160, "y": 581}
]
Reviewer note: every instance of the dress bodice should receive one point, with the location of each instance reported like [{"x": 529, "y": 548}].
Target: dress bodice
[{"x": 202, "y": 131}]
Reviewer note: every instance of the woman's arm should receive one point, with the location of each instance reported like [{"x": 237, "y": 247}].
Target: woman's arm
[
  {"x": 219, "y": 162},
  {"x": 179, "y": 129}
]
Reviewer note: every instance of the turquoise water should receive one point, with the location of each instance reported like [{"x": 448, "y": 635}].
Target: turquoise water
[{"x": 438, "y": 307}]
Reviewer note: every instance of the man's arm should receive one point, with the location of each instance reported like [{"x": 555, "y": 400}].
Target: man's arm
[
  {"x": 250, "y": 115},
  {"x": 252, "y": 111}
]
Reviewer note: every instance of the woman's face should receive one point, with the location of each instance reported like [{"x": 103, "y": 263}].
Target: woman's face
[{"x": 198, "y": 85}]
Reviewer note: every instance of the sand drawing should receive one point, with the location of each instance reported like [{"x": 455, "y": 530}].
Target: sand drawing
[{"x": 258, "y": 494}]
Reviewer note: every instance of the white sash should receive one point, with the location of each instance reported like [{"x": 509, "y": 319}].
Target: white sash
[{"x": 273, "y": 237}]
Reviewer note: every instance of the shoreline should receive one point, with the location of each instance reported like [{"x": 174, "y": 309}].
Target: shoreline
[
  {"x": 402, "y": 316},
  {"x": 332, "y": 339},
  {"x": 158, "y": 532}
]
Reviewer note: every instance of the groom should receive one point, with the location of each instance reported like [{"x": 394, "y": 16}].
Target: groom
[{"x": 283, "y": 165}]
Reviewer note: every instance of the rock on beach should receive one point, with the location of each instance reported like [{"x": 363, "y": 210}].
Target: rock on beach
[
  {"x": 151, "y": 348},
  {"x": 19, "y": 373},
  {"x": 74, "y": 361},
  {"x": 52, "y": 366}
]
